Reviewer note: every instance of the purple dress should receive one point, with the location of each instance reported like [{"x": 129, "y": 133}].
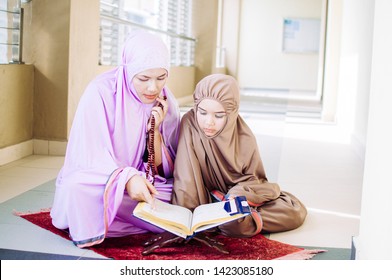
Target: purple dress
[{"x": 106, "y": 146}]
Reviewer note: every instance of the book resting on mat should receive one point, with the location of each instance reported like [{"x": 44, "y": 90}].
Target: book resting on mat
[{"x": 182, "y": 222}]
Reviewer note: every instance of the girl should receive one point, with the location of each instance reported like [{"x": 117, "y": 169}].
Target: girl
[{"x": 218, "y": 157}]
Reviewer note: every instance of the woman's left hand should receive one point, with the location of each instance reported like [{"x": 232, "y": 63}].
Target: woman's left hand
[{"x": 159, "y": 112}]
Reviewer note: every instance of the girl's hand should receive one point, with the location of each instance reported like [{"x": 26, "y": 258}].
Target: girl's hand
[{"x": 140, "y": 189}]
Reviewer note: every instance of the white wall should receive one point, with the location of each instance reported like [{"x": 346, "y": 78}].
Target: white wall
[
  {"x": 230, "y": 34},
  {"x": 375, "y": 232},
  {"x": 332, "y": 60},
  {"x": 355, "y": 69},
  {"x": 262, "y": 64}
]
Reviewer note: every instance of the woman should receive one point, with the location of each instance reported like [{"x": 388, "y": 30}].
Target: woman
[
  {"x": 109, "y": 149},
  {"x": 218, "y": 157}
]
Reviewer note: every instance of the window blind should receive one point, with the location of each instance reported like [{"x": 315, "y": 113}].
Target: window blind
[{"x": 171, "y": 19}]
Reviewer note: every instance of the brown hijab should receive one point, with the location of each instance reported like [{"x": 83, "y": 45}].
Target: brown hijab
[{"x": 229, "y": 161}]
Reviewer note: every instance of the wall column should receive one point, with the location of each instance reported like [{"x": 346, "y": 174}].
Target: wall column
[{"x": 375, "y": 231}]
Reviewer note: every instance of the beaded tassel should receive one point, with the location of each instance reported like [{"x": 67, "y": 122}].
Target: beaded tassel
[
  {"x": 151, "y": 149},
  {"x": 151, "y": 152}
]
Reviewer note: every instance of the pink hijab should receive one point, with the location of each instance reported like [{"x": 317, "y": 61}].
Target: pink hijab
[{"x": 106, "y": 146}]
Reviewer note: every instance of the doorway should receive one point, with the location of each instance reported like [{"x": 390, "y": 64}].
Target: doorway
[{"x": 280, "y": 55}]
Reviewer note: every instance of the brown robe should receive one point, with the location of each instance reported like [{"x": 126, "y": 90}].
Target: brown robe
[{"x": 230, "y": 163}]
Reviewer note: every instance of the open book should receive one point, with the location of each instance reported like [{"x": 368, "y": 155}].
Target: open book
[{"x": 182, "y": 222}]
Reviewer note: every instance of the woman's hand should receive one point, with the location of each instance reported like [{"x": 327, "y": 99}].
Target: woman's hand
[
  {"x": 159, "y": 112},
  {"x": 140, "y": 189}
]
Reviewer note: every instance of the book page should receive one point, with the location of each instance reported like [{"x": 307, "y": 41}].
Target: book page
[
  {"x": 213, "y": 214},
  {"x": 165, "y": 213}
]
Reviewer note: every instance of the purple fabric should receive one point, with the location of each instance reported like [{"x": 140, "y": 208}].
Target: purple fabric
[{"x": 106, "y": 146}]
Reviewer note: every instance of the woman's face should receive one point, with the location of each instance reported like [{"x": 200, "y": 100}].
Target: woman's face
[
  {"x": 211, "y": 116},
  {"x": 149, "y": 84}
]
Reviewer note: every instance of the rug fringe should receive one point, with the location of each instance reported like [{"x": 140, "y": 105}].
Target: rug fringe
[
  {"x": 18, "y": 213},
  {"x": 301, "y": 255}
]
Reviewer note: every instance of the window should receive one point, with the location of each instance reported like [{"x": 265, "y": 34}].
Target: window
[
  {"x": 169, "y": 18},
  {"x": 11, "y": 29}
]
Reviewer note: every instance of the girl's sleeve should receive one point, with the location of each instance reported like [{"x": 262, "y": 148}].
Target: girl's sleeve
[{"x": 188, "y": 189}]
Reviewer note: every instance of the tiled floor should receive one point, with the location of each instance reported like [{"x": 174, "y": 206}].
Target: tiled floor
[{"x": 308, "y": 158}]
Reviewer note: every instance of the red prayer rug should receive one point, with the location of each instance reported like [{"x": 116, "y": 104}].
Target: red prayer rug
[{"x": 129, "y": 247}]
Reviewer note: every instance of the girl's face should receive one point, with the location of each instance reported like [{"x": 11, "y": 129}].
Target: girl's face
[
  {"x": 211, "y": 116},
  {"x": 149, "y": 84}
]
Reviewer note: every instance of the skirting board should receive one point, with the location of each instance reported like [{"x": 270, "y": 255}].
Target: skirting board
[
  {"x": 32, "y": 147},
  {"x": 15, "y": 152},
  {"x": 51, "y": 148}
]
